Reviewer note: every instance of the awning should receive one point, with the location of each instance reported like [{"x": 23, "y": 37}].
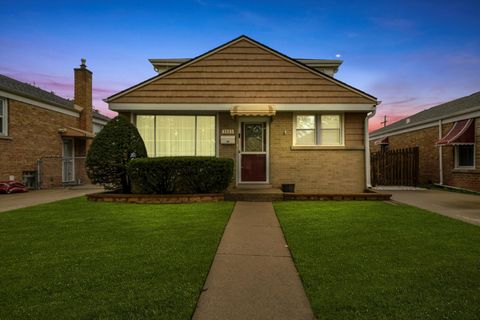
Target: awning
[
  {"x": 75, "y": 133},
  {"x": 381, "y": 141},
  {"x": 462, "y": 132},
  {"x": 253, "y": 110}
]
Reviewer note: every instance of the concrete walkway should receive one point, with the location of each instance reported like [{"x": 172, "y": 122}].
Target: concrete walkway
[
  {"x": 461, "y": 206},
  {"x": 31, "y": 198},
  {"x": 253, "y": 275}
]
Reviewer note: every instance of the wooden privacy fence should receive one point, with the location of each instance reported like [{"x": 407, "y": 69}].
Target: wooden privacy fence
[{"x": 395, "y": 167}]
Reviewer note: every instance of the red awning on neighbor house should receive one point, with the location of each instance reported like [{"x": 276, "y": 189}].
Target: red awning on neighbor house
[
  {"x": 382, "y": 141},
  {"x": 462, "y": 132}
]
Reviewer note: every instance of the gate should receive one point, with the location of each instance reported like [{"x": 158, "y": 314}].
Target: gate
[
  {"x": 58, "y": 171},
  {"x": 395, "y": 167}
]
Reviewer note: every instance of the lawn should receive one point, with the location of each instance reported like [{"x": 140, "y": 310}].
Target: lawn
[
  {"x": 374, "y": 260},
  {"x": 75, "y": 259}
]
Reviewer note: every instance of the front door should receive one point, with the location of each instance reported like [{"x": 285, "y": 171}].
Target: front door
[
  {"x": 68, "y": 160},
  {"x": 253, "y": 152}
]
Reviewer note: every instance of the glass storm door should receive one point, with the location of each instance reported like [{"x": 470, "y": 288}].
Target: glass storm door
[
  {"x": 68, "y": 161},
  {"x": 253, "y": 152}
]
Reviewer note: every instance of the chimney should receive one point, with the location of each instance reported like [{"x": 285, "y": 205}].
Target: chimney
[{"x": 83, "y": 95}]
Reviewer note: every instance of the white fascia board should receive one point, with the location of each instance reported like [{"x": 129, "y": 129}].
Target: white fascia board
[
  {"x": 430, "y": 123},
  {"x": 228, "y": 106},
  {"x": 39, "y": 104}
]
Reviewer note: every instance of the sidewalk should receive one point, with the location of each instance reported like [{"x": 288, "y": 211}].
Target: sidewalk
[
  {"x": 31, "y": 198},
  {"x": 253, "y": 275}
]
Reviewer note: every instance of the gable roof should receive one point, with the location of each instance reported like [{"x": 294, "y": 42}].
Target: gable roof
[
  {"x": 442, "y": 111},
  {"x": 29, "y": 91},
  {"x": 254, "y": 42}
]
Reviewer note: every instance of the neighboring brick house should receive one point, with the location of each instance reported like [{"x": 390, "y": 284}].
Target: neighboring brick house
[
  {"x": 282, "y": 120},
  {"x": 448, "y": 138},
  {"x": 43, "y": 137}
]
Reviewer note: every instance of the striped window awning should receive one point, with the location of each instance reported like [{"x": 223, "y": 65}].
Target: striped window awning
[
  {"x": 462, "y": 132},
  {"x": 253, "y": 110}
]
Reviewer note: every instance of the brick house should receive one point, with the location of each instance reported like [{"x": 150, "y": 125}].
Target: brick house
[
  {"x": 282, "y": 120},
  {"x": 43, "y": 137},
  {"x": 448, "y": 138}
]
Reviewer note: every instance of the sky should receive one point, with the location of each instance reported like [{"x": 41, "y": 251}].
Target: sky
[{"x": 411, "y": 55}]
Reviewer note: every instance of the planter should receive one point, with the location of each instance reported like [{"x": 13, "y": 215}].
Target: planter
[{"x": 288, "y": 187}]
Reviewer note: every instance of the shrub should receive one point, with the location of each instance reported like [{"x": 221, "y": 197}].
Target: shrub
[
  {"x": 111, "y": 150},
  {"x": 180, "y": 175}
]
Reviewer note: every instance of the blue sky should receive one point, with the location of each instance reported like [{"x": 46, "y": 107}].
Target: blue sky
[{"x": 409, "y": 54}]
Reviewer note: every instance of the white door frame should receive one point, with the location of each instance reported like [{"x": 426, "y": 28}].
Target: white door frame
[
  {"x": 63, "y": 160},
  {"x": 253, "y": 119}
]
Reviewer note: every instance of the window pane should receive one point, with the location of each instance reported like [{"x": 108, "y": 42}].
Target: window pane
[
  {"x": 305, "y": 122},
  {"x": 465, "y": 156},
  {"x": 205, "y": 136},
  {"x": 305, "y": 137},
  {"x": 330, "y": 122},
  {"x": 175, "y": 136},
  {"x": 254, "y": 137},
  {"x": 330, "y": 136},
  {"x": 145, "y": 126},
  {"x": 1, "y": 108}
]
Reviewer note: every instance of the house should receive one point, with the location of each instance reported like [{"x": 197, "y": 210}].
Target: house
[
  {"x": 448, "y": 138},
  {"x": 43, "y": 137},
  {"x": 282, "y": 120}
]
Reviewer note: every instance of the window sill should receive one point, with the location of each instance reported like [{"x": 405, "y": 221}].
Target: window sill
[
  {"x": 465, "y": 170},
  {"x": 5, "y": 138},
  {"x": 326, "y": 148}
]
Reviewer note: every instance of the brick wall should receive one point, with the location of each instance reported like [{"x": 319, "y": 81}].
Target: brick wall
[
  {"x": 425, "y": 139},
  {"x": 33, "y": 134},
  {"x": 339, "y": 170}
]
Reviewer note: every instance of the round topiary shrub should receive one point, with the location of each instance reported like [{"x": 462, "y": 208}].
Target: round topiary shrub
[{"x": 111, "y": 150}]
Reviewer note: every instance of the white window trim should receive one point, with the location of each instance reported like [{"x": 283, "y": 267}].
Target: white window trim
[
  {"x": 318, "y": 129},
  {"x": 457, "y": 166},
  {"x": 191, "y": 115},
  {"x": 4, "y": 120}
]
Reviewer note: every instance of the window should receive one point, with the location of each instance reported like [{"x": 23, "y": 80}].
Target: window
[
  {"x": 3, "y": 117},
  {"x": 321, "y": 129},
  {"x": 465, "y": 156},
  {"x": 167, "y": 135}
]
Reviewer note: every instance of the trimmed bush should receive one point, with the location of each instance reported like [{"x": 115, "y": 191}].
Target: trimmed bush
[
  {"x": 111, "y": 150},
  {"x": 180, "y": 175}
]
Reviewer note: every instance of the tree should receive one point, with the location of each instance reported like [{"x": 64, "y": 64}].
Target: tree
[{"x": 111, "y": 150}]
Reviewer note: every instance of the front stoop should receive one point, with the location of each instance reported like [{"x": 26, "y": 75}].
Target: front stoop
[
  {"x": 253, "y": 275},
  {"x": 254, "y": 194}
]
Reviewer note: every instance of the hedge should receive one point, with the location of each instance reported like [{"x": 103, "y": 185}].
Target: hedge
[{"x": 180, "y": 175}]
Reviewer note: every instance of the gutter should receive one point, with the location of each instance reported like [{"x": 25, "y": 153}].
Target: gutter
[
  {"x": 368, "y": 180},
  {"x": 431, "y": 121}
]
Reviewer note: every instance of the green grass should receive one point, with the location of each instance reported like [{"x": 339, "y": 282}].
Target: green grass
[
  {"x": 373, "y": 260},
  {"x": 75, "y": 259}
]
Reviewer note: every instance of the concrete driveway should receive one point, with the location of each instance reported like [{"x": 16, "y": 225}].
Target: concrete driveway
[
  {"x": 31, "y": 198},
  {"x": 461, "y": 206}
]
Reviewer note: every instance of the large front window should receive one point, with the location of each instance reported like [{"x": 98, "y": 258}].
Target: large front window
[
  {"x": 318, "y": 129},
  {"x": 178, "y": 135}
]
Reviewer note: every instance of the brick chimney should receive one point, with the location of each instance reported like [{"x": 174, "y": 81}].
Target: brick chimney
[{"x": 83, "y": 95}]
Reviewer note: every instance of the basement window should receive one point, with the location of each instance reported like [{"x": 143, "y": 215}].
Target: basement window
[
  {"x": 3, "y": 117},
  {"x": 465, "y": 156}
]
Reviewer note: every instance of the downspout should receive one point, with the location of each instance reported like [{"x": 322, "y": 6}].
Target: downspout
[
  {"x": 440, "y": 152},
  {"x": 366, "y": 135}
]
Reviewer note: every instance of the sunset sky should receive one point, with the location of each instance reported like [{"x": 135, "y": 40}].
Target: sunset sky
[{"x": 411, "y": 55}]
